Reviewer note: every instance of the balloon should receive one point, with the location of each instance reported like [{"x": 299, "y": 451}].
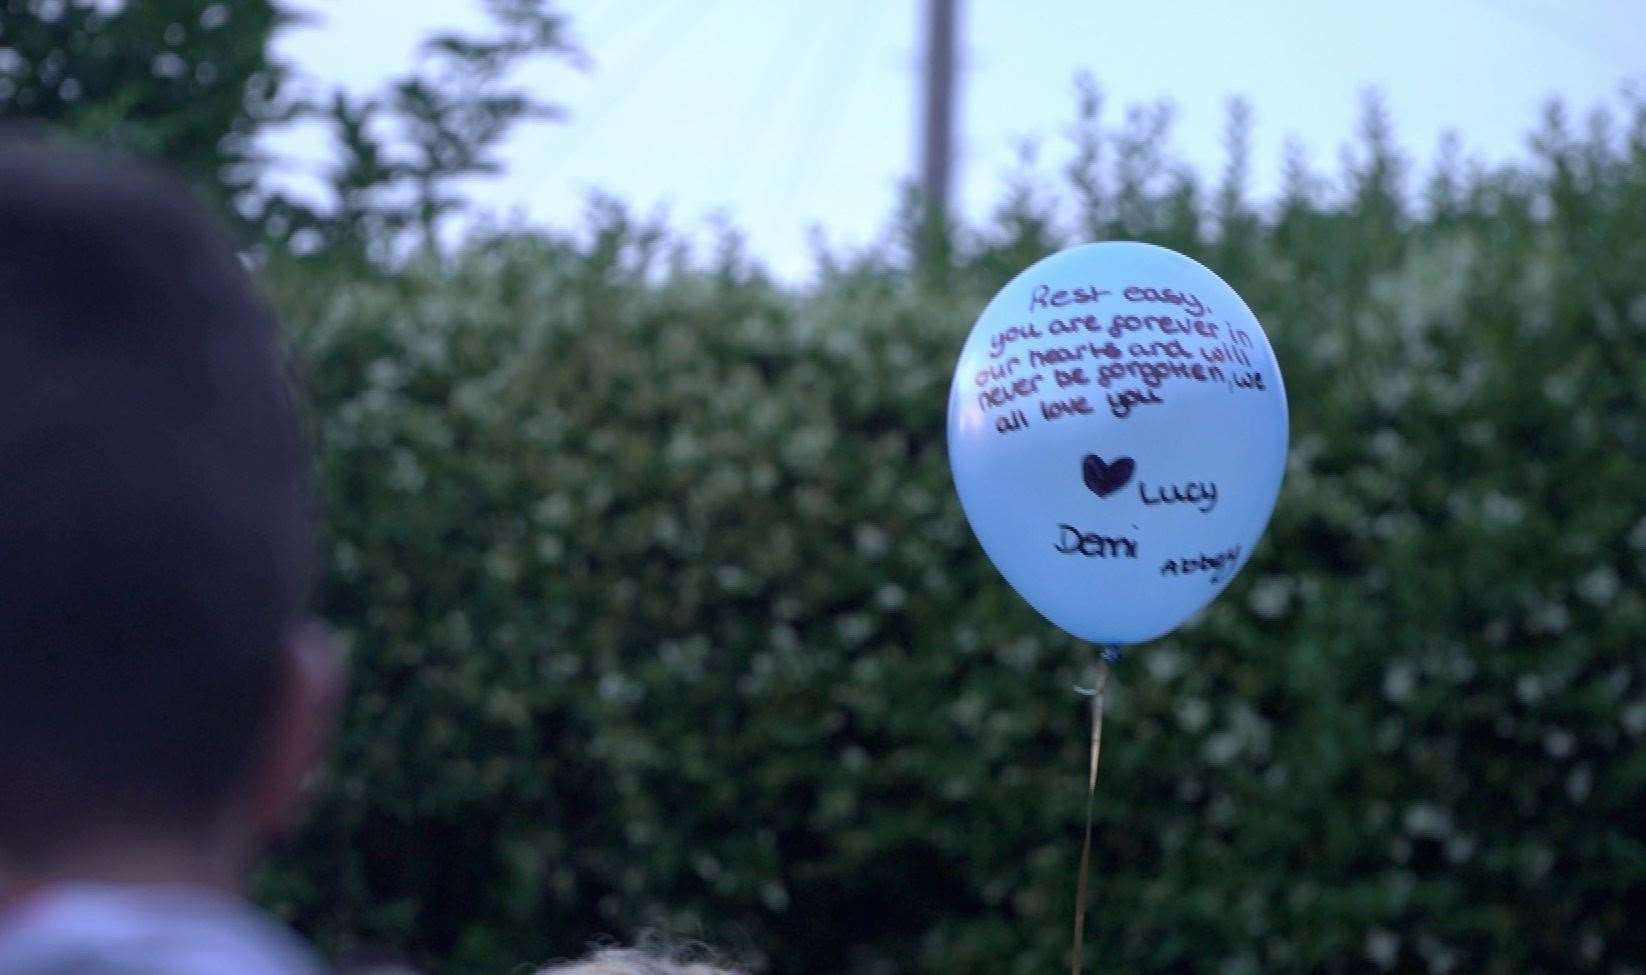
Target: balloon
[{"x": 1117, "y": 433}]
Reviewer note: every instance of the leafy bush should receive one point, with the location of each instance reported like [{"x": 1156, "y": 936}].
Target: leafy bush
[{"x": 662, "y": 610}]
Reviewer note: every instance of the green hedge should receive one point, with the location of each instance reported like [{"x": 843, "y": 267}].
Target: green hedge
[{"x": 663, "y": 613}]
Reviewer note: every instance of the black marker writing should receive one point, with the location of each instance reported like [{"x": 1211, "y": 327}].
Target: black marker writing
[
  {"x": 1218, "y": 565},
  {"x": 1170, "y": 296},
  {"x": 1073, "y": 541},
  {"x": 1045, "y": 297},
  {"x": 1202, "y": 494}
]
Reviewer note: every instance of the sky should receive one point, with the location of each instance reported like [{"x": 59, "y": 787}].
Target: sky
[{"x": 780, "y": 116}]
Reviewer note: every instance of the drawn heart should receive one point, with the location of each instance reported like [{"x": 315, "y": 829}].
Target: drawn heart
[{"x": 1106, "y": 479}]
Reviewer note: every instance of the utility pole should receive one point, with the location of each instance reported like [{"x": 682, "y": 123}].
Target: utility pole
[{"x": 937, "y": 136}]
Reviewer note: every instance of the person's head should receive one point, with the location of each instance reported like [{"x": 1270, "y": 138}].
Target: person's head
[
  {"x": 637, "y": 961},
  {"x": 157, "y": 681}
]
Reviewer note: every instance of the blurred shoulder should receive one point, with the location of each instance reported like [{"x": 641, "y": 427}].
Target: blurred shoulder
[{"x": 146, "y": 931}]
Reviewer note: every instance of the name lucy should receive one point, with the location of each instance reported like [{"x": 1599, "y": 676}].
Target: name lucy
[{"x": 1201, "y": 494}]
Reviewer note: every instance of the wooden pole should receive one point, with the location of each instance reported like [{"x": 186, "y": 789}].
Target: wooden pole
[{"x": 937, "y": 131}]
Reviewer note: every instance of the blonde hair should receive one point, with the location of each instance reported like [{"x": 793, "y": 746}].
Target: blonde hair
[{"x": 656, "y": 958}]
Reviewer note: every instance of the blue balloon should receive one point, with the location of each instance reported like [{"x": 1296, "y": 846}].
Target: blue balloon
[{"x": 1117, "y": 433}]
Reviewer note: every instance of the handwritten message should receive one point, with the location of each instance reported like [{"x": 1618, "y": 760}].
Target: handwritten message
[
  {"x": 1117, "y": 352},
  {"x": 1122, "y": 355}
]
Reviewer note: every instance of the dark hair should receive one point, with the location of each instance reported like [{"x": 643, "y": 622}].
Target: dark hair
[{"x": 154, "y": 531}]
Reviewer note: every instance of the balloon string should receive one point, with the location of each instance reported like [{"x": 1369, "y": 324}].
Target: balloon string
[{"x": 1100, "y": 683}]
